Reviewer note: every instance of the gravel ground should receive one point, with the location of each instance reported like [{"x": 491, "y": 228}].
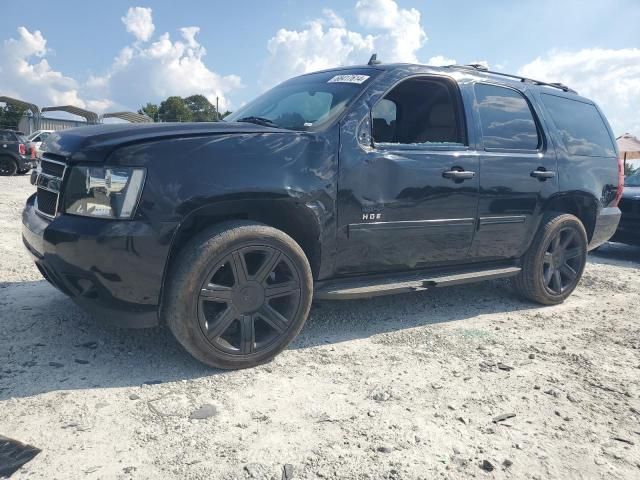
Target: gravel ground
[{"x": 452, "y": 383}]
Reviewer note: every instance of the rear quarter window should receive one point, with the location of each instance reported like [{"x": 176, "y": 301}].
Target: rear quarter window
[
  {"x": 580, "y": 126},
  {"x": 7, "y": 137}
]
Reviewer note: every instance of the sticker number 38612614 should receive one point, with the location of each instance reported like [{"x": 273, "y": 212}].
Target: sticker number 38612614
[{"x": 349, "y": 79}]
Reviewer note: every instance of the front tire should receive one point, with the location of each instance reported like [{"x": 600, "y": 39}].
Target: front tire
[
  {"x": 238, "y": 294},
  {"x": 555, "y": 261}
]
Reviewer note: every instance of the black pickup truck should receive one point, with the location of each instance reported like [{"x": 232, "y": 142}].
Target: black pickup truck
[
  {"x": 346, "y": 183},
  {"x": 16, "y": 155}
]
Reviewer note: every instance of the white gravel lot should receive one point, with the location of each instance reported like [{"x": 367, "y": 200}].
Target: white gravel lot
[{"x": 401, "y": 387}]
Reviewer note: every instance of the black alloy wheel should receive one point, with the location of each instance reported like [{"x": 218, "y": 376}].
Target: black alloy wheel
[
  {"x": 248, "y": 300},
  {"x": 237, "y": 294},
  {"x": 555, "y": 261},
  {"x": 563, "y": 261}
]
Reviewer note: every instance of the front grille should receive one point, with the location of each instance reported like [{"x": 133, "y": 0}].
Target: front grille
[
  {"x": 52, "y": 168},
  {"x": 47, "y": 201},
  {"x": 49, "y": 182}
]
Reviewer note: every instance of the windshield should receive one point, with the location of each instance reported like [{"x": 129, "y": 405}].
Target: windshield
[
  {"x": 632, "y": 180},
  {"x": 307, "y": 102}
]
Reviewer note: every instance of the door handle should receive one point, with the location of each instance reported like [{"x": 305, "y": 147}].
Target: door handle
[
  {"x": 458, "y": 174},
  {"x": 541, "y": 174}
]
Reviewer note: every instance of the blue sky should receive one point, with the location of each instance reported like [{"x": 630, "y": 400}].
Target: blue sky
[{"x": 243, "y": 47}]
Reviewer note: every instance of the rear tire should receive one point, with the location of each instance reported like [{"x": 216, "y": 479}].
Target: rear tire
[
  {"x": 8, "y": 167},
  {"x": 238, "y": 294},
  {"x": 555, "y": 261}
]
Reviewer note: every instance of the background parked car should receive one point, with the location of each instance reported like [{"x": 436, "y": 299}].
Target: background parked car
[
  {"x": 629, "y": 226},
  {"x": 37, "y": 138},
  {"x": 15, "y": 153}
]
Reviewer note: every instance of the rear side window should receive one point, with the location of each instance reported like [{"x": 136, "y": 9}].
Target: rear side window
[
  {"x": 7, "y": 137},
  {"x": 580, "y": 125},
  {"x": 506, "y": 118}
]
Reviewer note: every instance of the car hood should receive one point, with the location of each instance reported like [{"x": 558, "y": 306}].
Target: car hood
[
  {"x": 631, "y": 192},
  {"x": 95, "y": 143}
]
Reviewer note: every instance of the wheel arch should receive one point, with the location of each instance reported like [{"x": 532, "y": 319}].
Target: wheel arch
[
  {"x": 581, "y": 204},
  {"x": 291, "y": 216}
]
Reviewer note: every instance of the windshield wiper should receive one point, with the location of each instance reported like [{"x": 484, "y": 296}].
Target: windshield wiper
[{"x": 259, "y": 121}]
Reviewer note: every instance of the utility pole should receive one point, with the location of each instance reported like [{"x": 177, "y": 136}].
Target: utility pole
[{"x": 217, "y": 109}]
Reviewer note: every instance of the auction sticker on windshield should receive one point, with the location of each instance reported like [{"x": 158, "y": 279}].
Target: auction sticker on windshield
[{"x": 349, "y": 79}]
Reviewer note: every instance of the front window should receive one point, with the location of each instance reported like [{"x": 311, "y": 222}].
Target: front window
[
  {"x": 419, "y": 111},
  {"x": 307, "y": 102}
]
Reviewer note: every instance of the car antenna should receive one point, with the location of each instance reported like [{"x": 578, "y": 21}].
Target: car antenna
[{"x": 374, "y": 60}]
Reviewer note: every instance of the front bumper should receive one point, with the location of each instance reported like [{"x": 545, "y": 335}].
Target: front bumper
[
  {"x": 606, "y": 225},
  {"x": 113, "y": 269}
]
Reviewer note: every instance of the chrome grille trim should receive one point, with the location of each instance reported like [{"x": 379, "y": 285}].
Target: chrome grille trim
[{"x": 50, "y": 183}]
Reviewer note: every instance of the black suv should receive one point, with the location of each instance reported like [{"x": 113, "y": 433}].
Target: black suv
[
  {"x": 345, "y": 183},
  {"x": 15, "y": 153}
]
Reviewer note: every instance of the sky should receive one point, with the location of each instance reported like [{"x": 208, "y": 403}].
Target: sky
[{"x": 115, "y": 55}]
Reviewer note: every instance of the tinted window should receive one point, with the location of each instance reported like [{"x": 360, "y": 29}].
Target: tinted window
[
  {"x": 507, "y": 121},
  {"x": 419, "y": 111},
  {"x": 632, "y": 180},
  {"x": 580, "y": 125},
  {"x": 6, "y": 137}
]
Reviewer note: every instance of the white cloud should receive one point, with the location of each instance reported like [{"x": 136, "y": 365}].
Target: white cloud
[
  {"x": 333, "y": 19},
  {"x": 139, "y": 22},
  {"x": 140, "y": 72},
  {"x": 609, "y": 77},
  {"x": 327, "y": 41},
  {"x": 294, "y": 52},
  {"x": 162, "y": 68},
  {"x": 26, "y": 74},
  {"x": 440, "y": 61},
  {"x": 402, "y": 35}
]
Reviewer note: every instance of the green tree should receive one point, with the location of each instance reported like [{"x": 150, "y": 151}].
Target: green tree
[
  {"x": 629, "y": 169},
  {"x": 174, "y": 109},
  {"x": 10, "y": 115},
  {"x": 194, "y": 108},
  {"x": 150, "y": 110},
  {"x": 201, "y": 108}
]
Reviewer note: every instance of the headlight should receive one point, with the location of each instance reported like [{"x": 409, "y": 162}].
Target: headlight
[{"x": 109, "y": 192}]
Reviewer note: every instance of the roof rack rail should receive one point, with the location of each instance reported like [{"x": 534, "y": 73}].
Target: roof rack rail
[
  {"x": 484, "y": 69},
  {"x": 477, "y": 66}
]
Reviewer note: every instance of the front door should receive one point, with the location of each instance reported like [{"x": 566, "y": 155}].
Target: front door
[{"x": 408, "y": 192}]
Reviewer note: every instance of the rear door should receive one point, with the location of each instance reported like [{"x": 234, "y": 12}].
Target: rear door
[{"x": 518, "y": 171}]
